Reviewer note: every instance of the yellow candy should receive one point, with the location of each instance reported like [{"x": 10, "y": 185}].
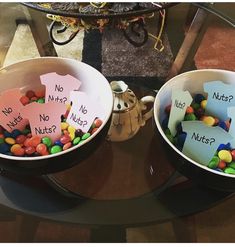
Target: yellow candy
[
  {"x": 10, "y": 140},
  {"x": 71, "y": 129},
  {"x": 210, "y": 121},
  {"x": 15, "y": 147},
  {"x": 225, "y": 156},
  {"x": 68, "y": 107},
  {"x": 72, "y": 135},
  {"x": 64, "y": 125},
  {"x": 203, "y": 103}
]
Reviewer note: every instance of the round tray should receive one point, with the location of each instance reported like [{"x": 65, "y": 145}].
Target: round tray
[{"x": 131, "y": 13}]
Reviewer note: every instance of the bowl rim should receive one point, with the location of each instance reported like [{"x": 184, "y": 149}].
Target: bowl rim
[
  {"x": 163, "y": 134},
  {"x": 50, "y": 156}
]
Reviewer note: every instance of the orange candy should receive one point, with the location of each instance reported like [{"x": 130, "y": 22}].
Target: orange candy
[
  {"x": 41, "y": 148},
  {"x": 19, "y": 151},
  {"x": 98, "y": 122},
  {"x": 189, "y": 110},
  {"x": 40, "y": 93},
  {"x": 67, "y": 145},
  {"x": 221, "y": 165},
  {"x": 34, "y": 141}
]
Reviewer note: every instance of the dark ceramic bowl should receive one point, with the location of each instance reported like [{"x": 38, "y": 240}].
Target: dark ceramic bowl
[
  {"x": 26, "y": 75},
  {"x": 193, "y": 82}
]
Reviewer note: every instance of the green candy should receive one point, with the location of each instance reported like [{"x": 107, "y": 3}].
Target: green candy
[
  {"x": 76, "y": 140},
  {"x": 229, "y": 170},
  {"x": 190, "y": 117},
  {"x": 232, "y": 164},
  {"x": 85, "y": 136},
  {"x": 26, "y": 131},
  {"x": 55, "y": 149},
  {"x": 167, "y": 132},
  {"x": 170, "y": 138},
  {"x": 195, "y": 106},
  {"x": 1, "y": 140},
  {"x": 47, "y": 141},
  {"x": 41, "y": 101},
  {"x": 214, "y": 162}
]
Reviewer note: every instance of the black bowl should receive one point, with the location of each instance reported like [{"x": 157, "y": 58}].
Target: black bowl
[
  {"x": 193, "y": 82},
  {"x": 26, "y": 75}
]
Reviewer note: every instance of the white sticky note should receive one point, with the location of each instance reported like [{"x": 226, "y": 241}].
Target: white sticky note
[
  {"x": 220, "y": 97},
  {"x": 58, "y": 87},
  {"x": 202, "y": 141},
  {"x": 83, "y": 111},
  {"x": 180, "y": 101}
]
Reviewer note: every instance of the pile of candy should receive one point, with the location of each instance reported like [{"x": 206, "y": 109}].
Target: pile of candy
[
  {"x": 22, "y": 143},
  {"x": 224, "y": 158}
]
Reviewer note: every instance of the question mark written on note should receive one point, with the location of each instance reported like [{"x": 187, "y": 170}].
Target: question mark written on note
[
  {"x": 202, "y": 141},
  {"x": 83, "y": 111}
]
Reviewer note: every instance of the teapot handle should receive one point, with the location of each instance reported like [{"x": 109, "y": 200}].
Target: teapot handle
[{"x": 143, "y": 102}]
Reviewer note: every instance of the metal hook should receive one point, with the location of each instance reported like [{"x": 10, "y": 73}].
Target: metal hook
[{"x": 72, "y": 36}]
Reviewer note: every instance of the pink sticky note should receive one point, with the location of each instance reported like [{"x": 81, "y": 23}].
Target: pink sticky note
[
  {"x": 10, "y": 117},
  {"x": 45, "y": 119},
  {"x": 83, "y": 111},
  {"x": 58, "y": 87}
]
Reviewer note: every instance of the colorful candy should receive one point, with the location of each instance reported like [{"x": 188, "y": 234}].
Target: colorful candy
[
  {"x": 224, "y": 159},
  {"x": 22, "y": 143}
]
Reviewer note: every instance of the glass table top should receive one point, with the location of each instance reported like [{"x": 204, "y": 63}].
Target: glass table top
[{"x": 130, "y": 183}]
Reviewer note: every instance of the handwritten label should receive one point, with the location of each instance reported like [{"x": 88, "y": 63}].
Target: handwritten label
[
  {"x": 180, "y": 101},
  {"x": 220, "y": 97},
  {"x": 10, "y": 117},
  {"x": 45, "y": 119},
  {"x": 202, "y": 141},
  {"x": 58, "y": 87},
  {"x": 83, "y": 111}
]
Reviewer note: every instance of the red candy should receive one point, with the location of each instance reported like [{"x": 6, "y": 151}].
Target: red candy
[
  {"x": 168, "y": 109},
  {"x": 34, "y": 98},
  {"x": 30, "y": 150},
  {"x": 65, "y": 139},
  {"x": 24, "y": 100},
  {"x": 233, "y": 154},
  {"x": 20, "y": 139},
  {"x": 30, "y": 94},
  {"x": 98, "y": 122},
  {"x": 221, "y": 165}
]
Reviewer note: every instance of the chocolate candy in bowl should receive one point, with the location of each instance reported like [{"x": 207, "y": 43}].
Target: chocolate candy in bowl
[
  {"x": 26, "y": 76},
  {"x": 193, "y": 82}
]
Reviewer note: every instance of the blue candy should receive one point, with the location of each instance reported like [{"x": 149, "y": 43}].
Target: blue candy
[
  {"x": 199, "y": 98},
  {"x": 181, "y": 139},
  {"x": 7, "y": 134},
  {"x": 58, "y": 143},
  {"x": 15, "y": 133},
  {"x": 224, "y": 147},
  {"x": 4, "y": 148},
  {"x": 222, "y": 125},
  {"x": 165, "y": 123}
]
